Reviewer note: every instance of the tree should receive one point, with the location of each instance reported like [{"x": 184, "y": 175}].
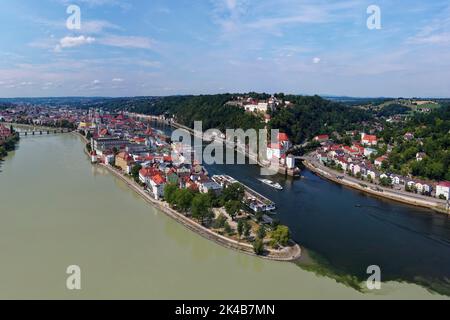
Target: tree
[
  {"x": 240, "y": 228},
  {"x": 233, "y": 208},
  {"x": 227, "y": 228},
  {"x": 261, "y": 233},
  {"x": 2, "y": 152},
  {"x": 281, "y": 235},
  {"x": 247, "y": 229},
  {"x": 201, "y": 207},
  {"x": 219, "y": 223},
  {"x": 386, "y": 182},
  {"x": 234, "y": 192},
  {"x": 170, "y": 191},
  {"x": 215, "y": 203},
  {"x": 183, "y": 199},
  {"x": 135, "y": 172},
  {"x": 258, "y": 246}
]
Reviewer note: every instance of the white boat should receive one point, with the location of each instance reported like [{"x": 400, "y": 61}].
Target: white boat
[{"x": 272, "y": 184}]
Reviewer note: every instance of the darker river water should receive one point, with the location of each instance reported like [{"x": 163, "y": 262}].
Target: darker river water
[{"x": 344, "y": 231}]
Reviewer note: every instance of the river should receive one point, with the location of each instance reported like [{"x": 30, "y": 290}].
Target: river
[{"x": 56, "y": 210}]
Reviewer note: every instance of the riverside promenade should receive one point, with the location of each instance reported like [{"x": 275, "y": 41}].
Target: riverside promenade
[{"x": 376, "y": 190}]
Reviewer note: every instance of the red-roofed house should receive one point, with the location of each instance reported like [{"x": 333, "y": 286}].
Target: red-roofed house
[
  {"x": 157, "y": 184},
  {"x": 322, "y": 138},
  {"x": 283, "y": 137},
  {"x": 351, "y": 150},
  {"x": 277, "y": 151},
  {"x": 145, "y": 174},
  {"x": 379, "y": 161},
  {"x": 443, "y": 190},
  {"x": 367, "y": 139}
]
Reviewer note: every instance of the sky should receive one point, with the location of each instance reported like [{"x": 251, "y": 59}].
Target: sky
[{"x": 162, "y": 47}]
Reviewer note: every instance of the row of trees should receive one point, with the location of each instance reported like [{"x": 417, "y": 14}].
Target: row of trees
[
  {"x": 187, "y": 201},
  {"x": 200, "y": 205}
]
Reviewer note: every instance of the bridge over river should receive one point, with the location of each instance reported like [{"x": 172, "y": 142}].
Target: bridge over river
[{"x": 31, "y": 130}]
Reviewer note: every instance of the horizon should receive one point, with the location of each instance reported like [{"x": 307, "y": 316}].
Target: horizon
[
  {"x": 220, "y": 46},
  {"x": 323, "y": 96}
]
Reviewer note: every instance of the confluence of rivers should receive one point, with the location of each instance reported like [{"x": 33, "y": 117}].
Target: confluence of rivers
[{"x": 58, "y": 210}]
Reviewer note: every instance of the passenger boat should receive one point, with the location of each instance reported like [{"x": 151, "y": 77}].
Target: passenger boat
[{"x": 272, "y": 184}]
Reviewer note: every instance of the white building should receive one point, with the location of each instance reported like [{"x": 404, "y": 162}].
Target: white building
[
  {"x": 260, "y": 107},
  {"x": 290, "y": 161},
  {"x": 157, "y": 184},
  {"x": 369, "y": 151},
  {"x": 208, "y": 186},
  {"x": 443, "y": 189}
]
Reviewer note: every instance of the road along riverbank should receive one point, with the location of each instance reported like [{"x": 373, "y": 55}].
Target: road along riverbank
[
  {"x": 381, "y": 192},
  {"x": 291, "y": 253}
]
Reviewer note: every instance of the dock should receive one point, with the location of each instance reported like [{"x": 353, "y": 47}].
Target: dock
[{"x": 252, "y": 199}]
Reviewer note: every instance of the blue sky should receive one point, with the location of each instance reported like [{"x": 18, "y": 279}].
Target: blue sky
[{"x": 162, "y": 47}]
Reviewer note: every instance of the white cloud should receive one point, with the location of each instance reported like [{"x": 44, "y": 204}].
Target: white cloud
[
  {"x": 96, "y": 82},
  {"x": 117, "y": 80},
  {"x": 436, "y": 32},
  {"x": 316, "y": 60},
  {"x": 71, "y": 42},
  {"x": 127, "y": 42}
]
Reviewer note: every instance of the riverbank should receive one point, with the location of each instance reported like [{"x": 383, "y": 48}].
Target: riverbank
[
  {"x": 287, "y": 254},
  {"x": 381, "y": 192},
  {"x": 8, "y": 145}
]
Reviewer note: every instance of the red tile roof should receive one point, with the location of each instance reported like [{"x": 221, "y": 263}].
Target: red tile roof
[
  {"x": 369, "y": 137},
  {"x": 322, "y": 137},
  {"x": 148, "y": 172},
  {"x": 444, "y": 184},
  {"x": 158, "y": 179},
  {"x": 283, "y": 137}
]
